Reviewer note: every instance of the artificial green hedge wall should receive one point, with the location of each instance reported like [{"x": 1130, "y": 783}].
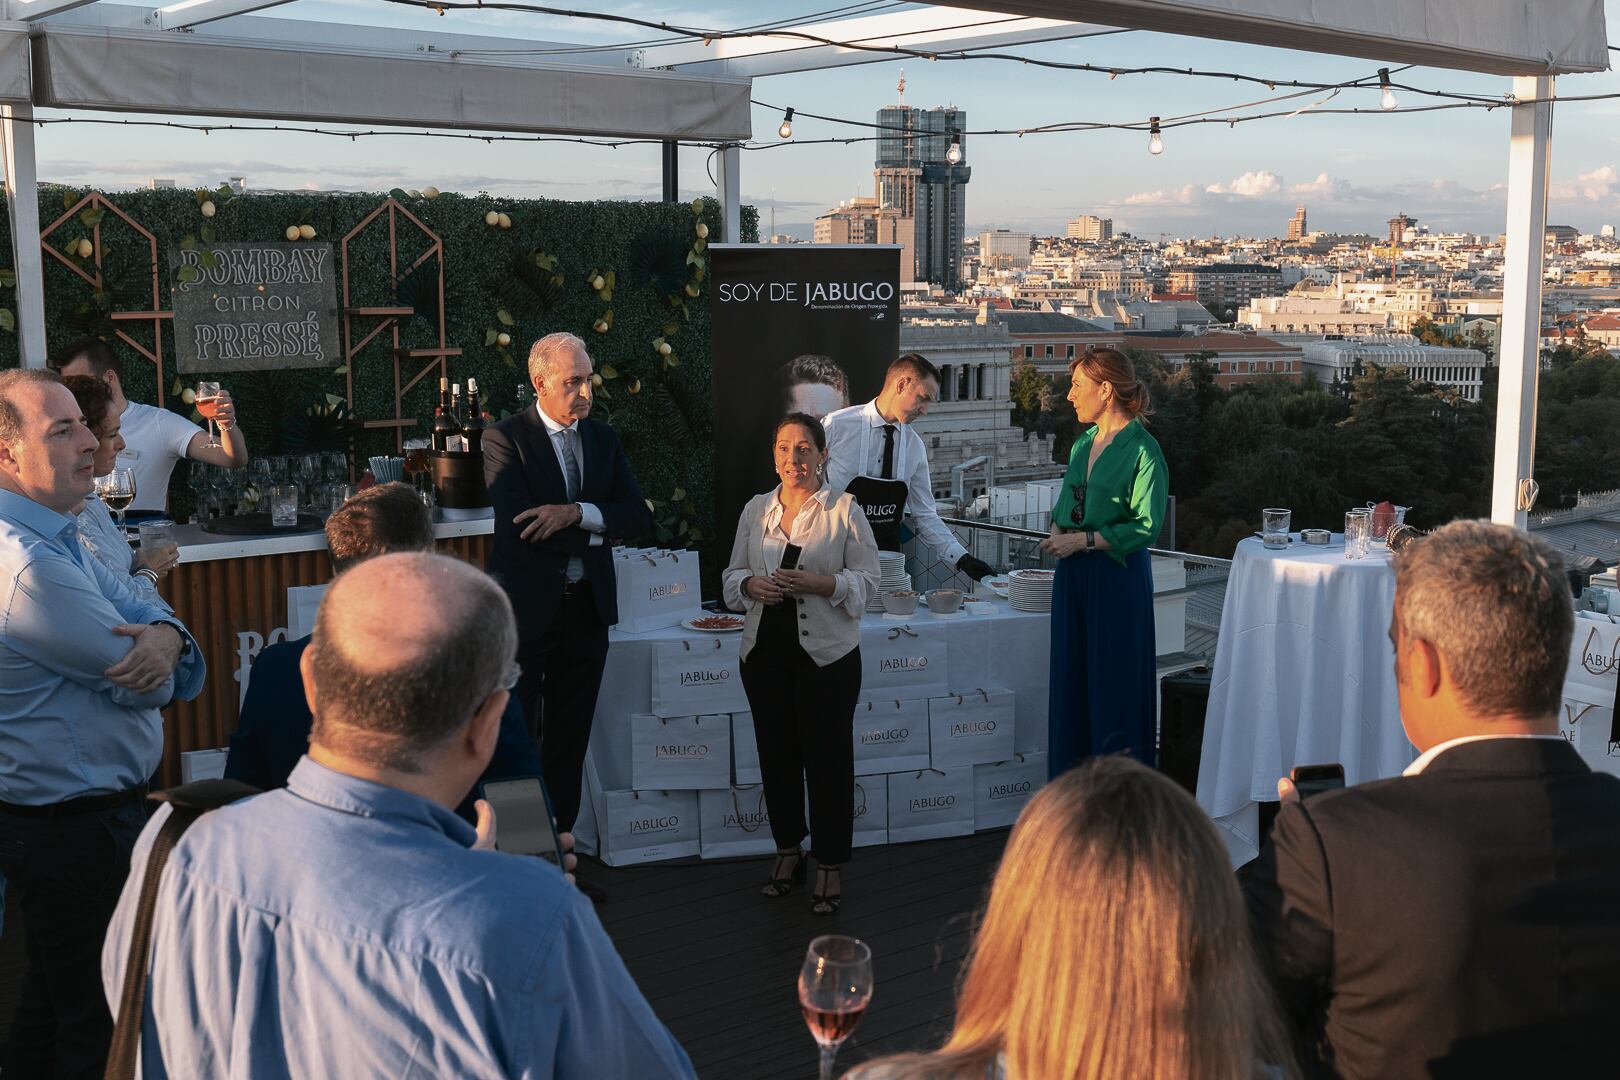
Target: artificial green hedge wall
[{"x": 492, "y": 274}]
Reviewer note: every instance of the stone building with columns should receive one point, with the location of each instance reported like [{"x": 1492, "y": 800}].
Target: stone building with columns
[{"x": 973, "y": 416}]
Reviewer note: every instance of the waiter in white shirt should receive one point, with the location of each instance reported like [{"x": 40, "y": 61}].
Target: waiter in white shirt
[
  {"x": 874, "y": 454},
  {"x": 154, "y": 438}
]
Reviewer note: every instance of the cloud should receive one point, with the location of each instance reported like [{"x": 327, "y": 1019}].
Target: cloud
[
  {"x": 1599, "y": 185},
  {"x": 1249, "y": 185}
]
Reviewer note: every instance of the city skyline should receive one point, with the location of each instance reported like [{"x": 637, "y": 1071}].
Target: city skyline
[{"x": 1446, "y": 169}]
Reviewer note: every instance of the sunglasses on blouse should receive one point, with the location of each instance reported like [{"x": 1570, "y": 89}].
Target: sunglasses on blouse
[{"x": 1078, "y": 511}]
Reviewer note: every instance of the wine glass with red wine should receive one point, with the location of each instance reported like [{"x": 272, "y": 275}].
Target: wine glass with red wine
[{"x": 835, "y": 986}]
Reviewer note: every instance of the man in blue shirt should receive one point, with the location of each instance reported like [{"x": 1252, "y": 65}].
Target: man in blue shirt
[
  {"x": 273, "y": 731},
  {"x": 85, "y": 664},
  {"x": 345, "y": 926}
]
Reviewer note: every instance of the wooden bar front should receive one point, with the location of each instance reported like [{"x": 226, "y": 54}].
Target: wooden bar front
[{"x": 235, "y": 606}]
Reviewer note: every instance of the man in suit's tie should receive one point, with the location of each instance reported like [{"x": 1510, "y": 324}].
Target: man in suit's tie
[{"x": 561, "y": 485}]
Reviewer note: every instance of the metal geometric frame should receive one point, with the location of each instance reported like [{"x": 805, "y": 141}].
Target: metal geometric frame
[
  {"x": 390, "y": 316},
  {"x": 156, "y": 315}
]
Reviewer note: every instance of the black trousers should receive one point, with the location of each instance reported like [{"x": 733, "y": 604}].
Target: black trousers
[
  {"x": 804, "y": 722},
  {"x": 562, "y": 672},
  {"x": 65, "y": 876}
]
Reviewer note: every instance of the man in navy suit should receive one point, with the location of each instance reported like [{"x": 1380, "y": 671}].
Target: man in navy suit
[
  {"x": 274, "y": 729},
  {"x": 561, "y": 485}
]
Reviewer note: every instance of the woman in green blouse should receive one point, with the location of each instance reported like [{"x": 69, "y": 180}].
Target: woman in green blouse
[{"x": 1111, "y": 508}]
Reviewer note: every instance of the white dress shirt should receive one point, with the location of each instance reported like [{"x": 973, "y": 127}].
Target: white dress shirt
[
  {"x": 1428, "y": 756},
  {"x": 855, "y": 448},
  {"x": 777, "y": 537},
  {"x": 590, "y": 517}
]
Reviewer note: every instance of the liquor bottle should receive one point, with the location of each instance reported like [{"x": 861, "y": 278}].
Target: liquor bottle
[
  {"x": 473, "y": 426},
  {"x": 445, "y": 426},
  {"x": 458, "y": 441}
]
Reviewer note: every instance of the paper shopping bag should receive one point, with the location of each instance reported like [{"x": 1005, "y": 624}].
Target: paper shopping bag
[
  {"x": 891, "y": 736},
  {"x": 643, "y": 826},
  {"x": 687, "y": 752},
  {"x": 930, "y": 803},
  {"x": 972, "y": 728},
  {"x": 656, "y": 591},
  {"x": 697, "y": 676},
  {"x": 900, "y": 662},
  {"x": 1001, "y": 790},
  {"x": 734, "y": 821},
  {"x": 744, "y": 751}
]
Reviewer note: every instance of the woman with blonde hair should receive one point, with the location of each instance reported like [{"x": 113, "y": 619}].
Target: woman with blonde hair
[{"x": 1114, "y": 946}]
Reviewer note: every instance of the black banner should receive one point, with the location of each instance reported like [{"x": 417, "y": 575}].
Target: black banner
[{"x": 794, "y": 328}]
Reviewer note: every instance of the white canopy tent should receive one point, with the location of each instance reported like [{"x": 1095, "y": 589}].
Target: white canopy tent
[{"x": 80, "y": 54}]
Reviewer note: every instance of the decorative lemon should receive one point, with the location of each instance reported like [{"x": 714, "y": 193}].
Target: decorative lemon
[
  {"x": 86, "y": 249},
  {"x": 492, "y": 218},
  {"x": 430, "y": 192},
  {"x": 306, "y": 232},
  {"x": 702, "y": 230},
  {"x": 503, "y": 340},
  {"x": 664, "y": 349},
  {"x": 292, "y": 232},
  {"x": 597, "y": 282},
  {"x": 506, "y": 222},
  {"x": 208, "y": 208},
  {"x": 600, "y": 326}
]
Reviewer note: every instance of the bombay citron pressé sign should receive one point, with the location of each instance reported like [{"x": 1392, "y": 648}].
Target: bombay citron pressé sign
[{"x": 252, "y": 307}]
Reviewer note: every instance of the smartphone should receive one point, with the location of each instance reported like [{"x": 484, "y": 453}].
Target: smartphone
[
  {"x": 790, "y": 556},
  {"x": 523, "y": 821},
  {"x": 1315, "y": 779}
]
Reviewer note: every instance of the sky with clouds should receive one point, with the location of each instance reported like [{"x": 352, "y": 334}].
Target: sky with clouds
[{"x": 1446, "y": 169}]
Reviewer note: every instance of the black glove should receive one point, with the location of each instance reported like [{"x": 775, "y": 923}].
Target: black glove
[{"x": 977, "y": 569}]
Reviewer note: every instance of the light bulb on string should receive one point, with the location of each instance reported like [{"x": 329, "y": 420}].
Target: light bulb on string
[
  {"x": 1155, "y": 140},
  {"x": 786, "y": 130},
  {"x": 954, "y": 154},
  {"x": 1388, "y": 101}
]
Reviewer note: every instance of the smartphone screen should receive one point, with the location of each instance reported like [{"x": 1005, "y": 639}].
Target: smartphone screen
[
  {"x": 790, "y": 556},
  {"x": 1315, "y": 779},
  {"x": 523, "y": 824}
]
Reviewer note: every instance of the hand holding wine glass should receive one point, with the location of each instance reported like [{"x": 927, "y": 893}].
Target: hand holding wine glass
[
  {"x": 835, "y": 986},
  {"x": 208, "y": 403},
  {"x": 117, "y": 490}
]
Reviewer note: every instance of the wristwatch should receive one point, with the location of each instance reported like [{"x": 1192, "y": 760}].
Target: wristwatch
[
  {"x": 185, "y": 642},
  {"x": 1091, "y": 540}
]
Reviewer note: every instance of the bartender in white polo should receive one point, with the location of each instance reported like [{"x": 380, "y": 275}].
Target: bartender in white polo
[
  {"x": 154, "y": 439},
  {"x": 874, "y": 454}
]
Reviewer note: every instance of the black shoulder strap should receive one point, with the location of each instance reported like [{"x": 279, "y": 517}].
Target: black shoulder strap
[{"x": 189, "y": 802}]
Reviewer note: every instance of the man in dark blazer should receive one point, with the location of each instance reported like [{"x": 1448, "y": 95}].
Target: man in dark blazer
[
  {"x": 273, "y": 732},
  {"x": 561, "y": 485},
  {"x": 1462, "y": 920}
]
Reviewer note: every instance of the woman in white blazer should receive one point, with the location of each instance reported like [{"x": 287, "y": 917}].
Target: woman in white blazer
[{"x": 802, "y": 567}]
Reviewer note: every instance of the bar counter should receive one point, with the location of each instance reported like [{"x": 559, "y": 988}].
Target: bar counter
[{"x": 231, "y": 592}]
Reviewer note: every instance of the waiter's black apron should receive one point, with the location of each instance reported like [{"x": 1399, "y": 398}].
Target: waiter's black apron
[{"x": 882, "y": 501}]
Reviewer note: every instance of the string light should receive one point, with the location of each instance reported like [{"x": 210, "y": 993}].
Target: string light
[
  {"x": 1155, "y": 140},
  {"x": 954, "y": 155},
  {"x": 1387, "y": 101},
  {"x": 786, "y": 130}
]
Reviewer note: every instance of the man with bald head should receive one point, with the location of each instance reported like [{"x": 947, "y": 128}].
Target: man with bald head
[
  {"x": 85, "y": 664},
  {"x": 346, "y": 926},
  {"x": 561, "y": 486}
]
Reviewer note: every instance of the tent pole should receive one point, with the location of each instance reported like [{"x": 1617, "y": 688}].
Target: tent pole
[
  {"x": 1529, "y": 152},
  {"x": 730, "y": 194},
  {"x": 672, "y": 176},
  {"x": 22, "y": 204}
]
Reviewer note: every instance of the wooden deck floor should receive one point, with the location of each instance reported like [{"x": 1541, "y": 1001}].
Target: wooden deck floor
[{"x": 719, "y": 962}]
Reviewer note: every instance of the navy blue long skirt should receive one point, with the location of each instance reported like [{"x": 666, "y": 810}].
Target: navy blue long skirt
[{"x": 1102, "y": 678}]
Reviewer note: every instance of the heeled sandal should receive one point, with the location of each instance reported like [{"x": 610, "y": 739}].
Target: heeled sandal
[
  {"x": 781, "y": 885},
  {"x": 825, "y": 902}
]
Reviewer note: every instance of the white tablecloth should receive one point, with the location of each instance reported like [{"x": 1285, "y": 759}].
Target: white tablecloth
[
  {"x": 1007, "y": 649},
  {"x": 1304, "y": 674}
]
